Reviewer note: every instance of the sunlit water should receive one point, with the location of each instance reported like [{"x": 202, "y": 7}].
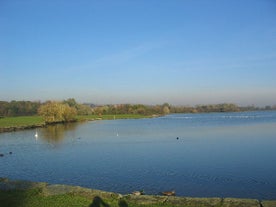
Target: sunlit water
[{"x": 217, "y": 154}]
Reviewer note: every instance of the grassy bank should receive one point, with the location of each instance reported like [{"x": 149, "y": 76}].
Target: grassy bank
[
  {"x": 26, "y": 122},
  {"x": 14, "y": 193},
  {"x": 9, "y": 124},
  {"x": 32, "y": 194},
  {"x": 35, "y": 197},
  {"x": 21, "y": 121}
]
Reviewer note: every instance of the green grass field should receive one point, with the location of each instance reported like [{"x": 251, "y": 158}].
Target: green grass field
[{"x": 20, "y": 121}]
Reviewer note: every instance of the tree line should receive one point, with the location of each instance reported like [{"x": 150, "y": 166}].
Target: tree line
[
  {"x": 132, "y": 109},
  {"x": 67, "y": 110},
  {"x": 18, "y": 108},
  {"x": 167, "y": 108}
]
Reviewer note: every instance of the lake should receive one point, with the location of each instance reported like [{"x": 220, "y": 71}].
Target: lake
[{"x": 199, "y": 155}]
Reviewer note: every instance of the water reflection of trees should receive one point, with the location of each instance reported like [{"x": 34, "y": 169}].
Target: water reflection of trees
[{"x": 56, "y": 133}]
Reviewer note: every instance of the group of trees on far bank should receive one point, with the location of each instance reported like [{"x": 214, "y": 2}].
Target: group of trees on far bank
[
  {"x": 67, "y": 110},
  {"x": 51, "y": 111},
  {"x": 19, "y": 108},
  {"x": 132, "y": 109}
]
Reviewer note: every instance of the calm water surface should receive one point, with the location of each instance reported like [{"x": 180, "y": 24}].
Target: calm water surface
[{"x": 217, "y": 154}]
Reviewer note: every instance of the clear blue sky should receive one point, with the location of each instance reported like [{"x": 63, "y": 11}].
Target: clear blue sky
[{"x": 183, "y": 52}]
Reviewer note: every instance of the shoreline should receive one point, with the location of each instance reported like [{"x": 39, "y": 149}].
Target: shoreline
[
  {"x": 37, "y": 121},
  {"x": 19, "y": 128},
  {"x": 48, "y": 191},
  {"x": 23, "y": 125}
]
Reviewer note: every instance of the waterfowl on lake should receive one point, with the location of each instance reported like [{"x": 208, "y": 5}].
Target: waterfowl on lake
[
  {"x": 36, "y": 134},
  {"x": 1, "y": 155},
  {"x": 136, "y": 193},
  {"x": 169, "y": 193},
  {"x": 141, "y": 192}
]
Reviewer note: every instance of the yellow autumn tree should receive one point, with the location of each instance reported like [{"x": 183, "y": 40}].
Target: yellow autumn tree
[{"x": 54, "y": 112}]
